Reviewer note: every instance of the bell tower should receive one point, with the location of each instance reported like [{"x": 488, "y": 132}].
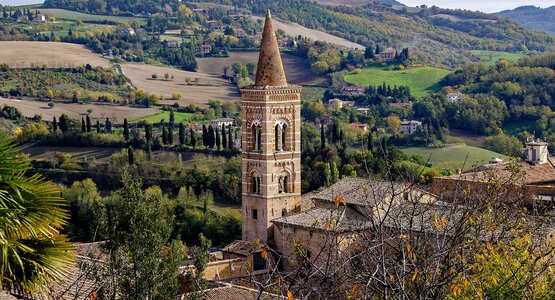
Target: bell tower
[{"x": 271, "y": 145}]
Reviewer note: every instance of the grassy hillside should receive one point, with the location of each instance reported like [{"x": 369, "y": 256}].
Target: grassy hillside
[
  {"x": 165, "y": 115},
  {"x": 73, "y": 15},
  {"x": 494, "y": 56},
  {"x": 421, "y": 80},
  {"x": 454, "y": 156}
]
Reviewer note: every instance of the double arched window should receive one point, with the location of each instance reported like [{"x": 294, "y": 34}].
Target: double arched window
[
  {"x": 256, "y": 181},
  {"x": 283, "y": 184}
]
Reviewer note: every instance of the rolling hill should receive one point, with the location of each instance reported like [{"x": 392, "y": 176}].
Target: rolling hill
[{"x": 532, "y": 17}]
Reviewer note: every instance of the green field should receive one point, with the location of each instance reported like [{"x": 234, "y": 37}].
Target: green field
[
  {"x": 494, "y": 56},
  {"x": 422, "y": 81},
  {"x": 453, "y": 157},
  {"x": 165, "y": 115},
  {"x": 312, "y": 93},
  {"x": 518, "y": 127},
  {"x": 73, "y": 15}
]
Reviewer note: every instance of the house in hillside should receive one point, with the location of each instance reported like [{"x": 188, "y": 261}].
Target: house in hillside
[
  {"x": 363, "y": 110},
  {"x": 388, "y": 54},
  {"x": 409, "y": 127},
  {"x": 240, "y": 32},
  {"x": 200, "y": 10},
  {"x": 361, "y": 126},
  {"x": 173, "y": 44},
  {"x": 531, "y": 180},
  {"x": 127, "y": 31},
  {"x": 237, "y": 17},
  {"x": 336, "y": 103},
  {"x": 353, "y": 90},
  {"x": 218, "y": 123},
  {"x": 206, "y": 48},
  {"x": 213, "y": 24},
  {"x": 454, "y": 97},
  {"x": 39, "y": 18}
]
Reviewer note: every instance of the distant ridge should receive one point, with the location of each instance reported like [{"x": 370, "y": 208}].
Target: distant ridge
[{"x": 532, "y": 17}]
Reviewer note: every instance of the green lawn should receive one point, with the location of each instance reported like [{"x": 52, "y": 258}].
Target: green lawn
[
  {"x": 165, "y": 115},
  {"x": 422, "y": 81},
  {"x": 73, "y": 15},
  {"x": 312, "y": 93},
  {"x": 494, "y": 56},
  {"x": 453, "y": 156}
]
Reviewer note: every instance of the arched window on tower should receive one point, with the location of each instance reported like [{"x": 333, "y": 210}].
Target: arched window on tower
[
  {"x": 255, "y": 184},
  {"x": 256, "y": 137},
  {"x": 283, "y": 137},
  {"x": 283, "y": 184}
]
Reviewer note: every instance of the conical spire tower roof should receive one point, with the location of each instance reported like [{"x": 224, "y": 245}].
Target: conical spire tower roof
[{"x": 270, "y": 68}]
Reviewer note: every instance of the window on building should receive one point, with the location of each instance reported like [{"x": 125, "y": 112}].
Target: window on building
[
  {"x": 256, "y": 134},
  {"x": 283, "y": 184},
  {"x": 283, "y": 139},
  {"x": 284, "y": 212},
  {"x": 255, "y": 185},
  {"x": 254, "y": 214}
]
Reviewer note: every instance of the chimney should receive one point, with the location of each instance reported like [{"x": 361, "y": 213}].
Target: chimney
[{"x": 536, "y": 152}]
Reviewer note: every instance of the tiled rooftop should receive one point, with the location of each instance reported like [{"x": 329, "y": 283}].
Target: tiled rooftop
[
  {"x": 529, "y": 174},
  {"x": 339, "y": 219}
]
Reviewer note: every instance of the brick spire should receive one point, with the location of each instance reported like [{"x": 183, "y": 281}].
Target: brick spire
[{"x": 270, "y": 68}]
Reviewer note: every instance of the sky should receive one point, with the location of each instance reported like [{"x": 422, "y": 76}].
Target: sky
[
  {"x": 488, "y": 6},
  {"x": 481, "y": 5}
]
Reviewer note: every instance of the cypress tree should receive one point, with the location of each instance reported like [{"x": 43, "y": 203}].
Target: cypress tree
[
  {"x": 341, "y": 135},
  {"x": 193, "y": 139},
  {"x": 97, "y": 126},
  {"x": 88, "y": 120},
  {"x": 210, "y": 137},
  {"x": 83, "y": 127},
  {"x": 54, "y": 125},
  {"x": 181, "y": 134},
  {"x": 130, "y": 155},
  {"x": 322, "y": 137},
  {"x": 148, "y": 132},
  {"x": 370, "y": 142},
  {"x": 172, "y": 118},
  {"x": 224, "y": 137},
  {"x": 170, "y": 135},
  {"x": 230, "y": 139},
  {"x": 108, "y": 126},
  {"x": 334, "y": 173},
  {"x": 125, "y": 130},
  {"x": 204, "y": 136},
  {"x": 164, "y": 135},
  {"x": 64, "y": 123},
  {"x": 148, "y": 150},
  {"x": 218, "y": 139}
]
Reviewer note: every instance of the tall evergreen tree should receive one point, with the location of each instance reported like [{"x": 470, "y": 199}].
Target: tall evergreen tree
[
  {"x": 130, "y": 155},
  {"x": 193, "y": 138},
  {"x": 230, "y": 138},
  {"x": 181, "y": 134},
  {"x": 125, "y": 130},
  {"x": 83, "y": 126},
  {"x": 97, "y": 126},
  {"x": 170, "y": 135},
  {"x": 211, "y": 137},
  {"x": 370, "y": 143},
  {"x": 64, "y": 123},
  {"x": 54, "y": 125},
  {"x": 172, "y": 118},
  {"x": 322, "y": 137},
  {"x": 108, "y": 126},
  {"x": 224, "y": 137},
  {"x": 148, "y": 150},
  {"x": 218, "y": 139},
  {"x": 148, "y": 132},
  {"x": 164, "y": 134},
  {"x": 88, "y": 121},
  {"x": 334, "y": 173},
  {"x": 205, "y": 141}
]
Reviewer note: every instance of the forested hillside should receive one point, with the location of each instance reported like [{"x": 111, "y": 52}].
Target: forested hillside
[
  {"x": 434, "y": 34},
  {"x": 532, "y": 17}
]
